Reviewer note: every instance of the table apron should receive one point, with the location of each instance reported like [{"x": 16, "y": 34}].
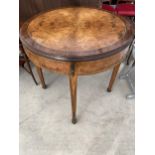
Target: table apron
[{"x": 80, "y": 68}]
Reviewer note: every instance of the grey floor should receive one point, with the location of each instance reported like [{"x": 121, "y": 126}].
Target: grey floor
[{"x": 105, "y": 120}]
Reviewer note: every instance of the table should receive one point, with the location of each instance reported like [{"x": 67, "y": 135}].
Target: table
[{"x": 76, "y": 41}]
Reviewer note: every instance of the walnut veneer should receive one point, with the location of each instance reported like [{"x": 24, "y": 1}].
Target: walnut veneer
[{"x": 76, "y": 41}]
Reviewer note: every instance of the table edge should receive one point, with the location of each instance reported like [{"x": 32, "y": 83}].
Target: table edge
[{"x": 37, "y": 49}]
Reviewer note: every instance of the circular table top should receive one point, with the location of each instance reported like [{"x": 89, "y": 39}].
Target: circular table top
[{"x": 76, "y": 34}]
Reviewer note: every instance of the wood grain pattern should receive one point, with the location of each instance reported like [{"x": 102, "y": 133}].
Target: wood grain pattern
[
  {"x": 97, "y": 66},
  {"x": 81, "y": 68},
  {"x": 76, "y": 41},
  {"x": 76, "y": 34},
  {"x": 53, "y": 65},
  {"x": 92, "y": 30}
]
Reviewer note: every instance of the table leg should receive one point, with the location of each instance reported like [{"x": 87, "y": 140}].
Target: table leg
[
  {"x": 41, "y": 77},
  {"x": 28, "y": 65},
  {"x": 113, "y": 77},
  {"x": 73, "y": 90}
]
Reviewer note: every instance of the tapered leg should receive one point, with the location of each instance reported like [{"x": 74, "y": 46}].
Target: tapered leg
[
  {"x": 113, "y": 77},
  {"x": 128, "y": 58},
  {"x": 40, "y": 74},
  {"x": 73, "y": 90},
  {"x": 29, "y": 67}
]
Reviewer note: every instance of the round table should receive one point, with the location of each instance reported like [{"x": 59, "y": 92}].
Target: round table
[{"x": 76, "y": 41}]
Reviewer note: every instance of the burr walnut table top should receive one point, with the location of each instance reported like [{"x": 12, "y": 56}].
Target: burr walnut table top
[{"x": 76, "y": 34}]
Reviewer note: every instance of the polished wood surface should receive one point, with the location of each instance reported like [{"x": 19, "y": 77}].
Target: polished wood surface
[
  {"x": 73, "y": 90},
  {"x": 81, "y": 68},
  {"x": 76, "y": 41},
  {"x": 76, "y": 34},
  {"x": 92, "y": 30}
]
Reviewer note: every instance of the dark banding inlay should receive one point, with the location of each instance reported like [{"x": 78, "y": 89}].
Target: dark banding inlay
[{"x": 76, "y": 34}]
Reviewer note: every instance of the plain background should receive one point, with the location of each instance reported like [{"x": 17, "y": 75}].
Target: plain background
[{"x": 145, "y": 77}]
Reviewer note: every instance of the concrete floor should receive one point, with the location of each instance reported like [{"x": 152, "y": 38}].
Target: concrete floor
[{"x": 105, "y": 120}]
